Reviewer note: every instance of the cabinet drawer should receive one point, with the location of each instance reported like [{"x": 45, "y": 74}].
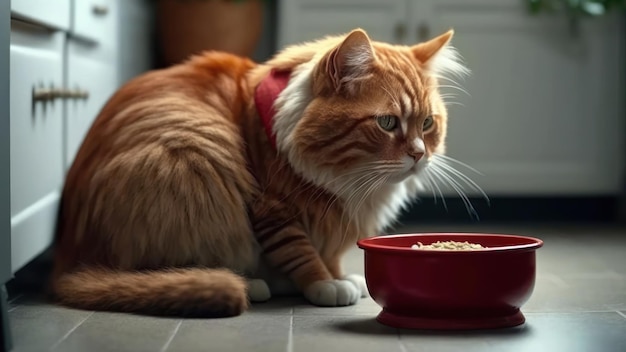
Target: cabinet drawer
[
  {"x": 95, "y": 77},
  {"x": 94, "y": 20},
  {"x": 36, "y": 127},
  {"x": 51, "y": 13}
]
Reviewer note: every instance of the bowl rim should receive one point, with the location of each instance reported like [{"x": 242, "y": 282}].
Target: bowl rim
[{"x": 368, "y": 244}]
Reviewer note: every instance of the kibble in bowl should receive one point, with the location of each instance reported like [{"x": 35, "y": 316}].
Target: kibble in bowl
[
  {"x": 450, "y": 280},
  {"x": 448, "y": 246}
]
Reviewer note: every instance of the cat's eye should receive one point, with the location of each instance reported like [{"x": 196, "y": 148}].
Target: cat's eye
[
  {"x": 387, "y": 122},
  {"x": 428, "y": 124}
]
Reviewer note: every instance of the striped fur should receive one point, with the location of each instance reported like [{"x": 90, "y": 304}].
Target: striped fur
[{"x": 176, "y": 194}]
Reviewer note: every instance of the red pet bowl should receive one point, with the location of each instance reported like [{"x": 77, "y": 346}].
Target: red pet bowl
[{"x": 450, "y": 290}]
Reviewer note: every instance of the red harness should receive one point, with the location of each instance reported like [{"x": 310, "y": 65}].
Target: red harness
[{"x": 264, "y": 97}]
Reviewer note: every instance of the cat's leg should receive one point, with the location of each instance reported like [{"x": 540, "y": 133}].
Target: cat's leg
[
  {"x": 334, "y": 266},
  {"x": 258, "y": 290},
  {"x": 286, "y": 246}
]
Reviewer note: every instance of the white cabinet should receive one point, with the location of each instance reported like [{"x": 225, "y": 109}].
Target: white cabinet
[
  {"x": 36, "y": 134},
  {"x": 36, "y": 126},
  {"x": 94, "y": 19},
  {"x": 50, "y": 13},
  {"x": 64, "y": 61},
  {"x": 91, "y": 67},
  {"x": 97, "y": 79},
  {"x": 545, "y": 112}
]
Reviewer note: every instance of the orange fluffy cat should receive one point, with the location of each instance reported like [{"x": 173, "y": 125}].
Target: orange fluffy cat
[{"x": 217, "y": 182}]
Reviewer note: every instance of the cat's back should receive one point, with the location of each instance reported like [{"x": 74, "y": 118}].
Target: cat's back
[
  {"x": 207, "y": 89},
  {"x": 144, "y": 168},
  {"x": 214, "y": 78}
]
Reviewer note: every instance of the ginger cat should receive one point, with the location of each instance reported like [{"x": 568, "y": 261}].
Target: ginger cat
[{"x": 200, "y": 184}]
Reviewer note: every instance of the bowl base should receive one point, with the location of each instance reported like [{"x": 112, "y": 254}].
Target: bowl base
[{"x": 429, "y": 323}]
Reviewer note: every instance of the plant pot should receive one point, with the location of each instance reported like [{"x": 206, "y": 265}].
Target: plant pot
[{"x": 187, "y": 27}]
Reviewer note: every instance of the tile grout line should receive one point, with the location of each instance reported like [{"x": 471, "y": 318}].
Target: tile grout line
[
  {"x": 620, "y": 313},
  {"x": 542, "y": 311},
  {"x": 290, "y": 336},
  {"x": 15, "y": 298},
  {"x": 171, "y": 338},
  {"x": 71, "y": 331},
  {"x": 400, "y": 343}
]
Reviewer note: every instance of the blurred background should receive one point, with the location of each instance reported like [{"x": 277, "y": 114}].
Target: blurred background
[{"x": 541, "y": 118}]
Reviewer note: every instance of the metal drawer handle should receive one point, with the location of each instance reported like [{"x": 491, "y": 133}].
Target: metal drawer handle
[
  {"x": 74, "y": 94},
  {"x": 49, "y": 94},
  {"x": 43, "y": 94},
  {"x": 100, "y": 10}
]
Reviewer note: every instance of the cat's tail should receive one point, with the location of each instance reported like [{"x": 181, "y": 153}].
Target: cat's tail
[{"x": 192, "y": 292}]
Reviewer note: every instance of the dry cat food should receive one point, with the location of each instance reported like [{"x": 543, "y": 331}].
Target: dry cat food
[{"x": 448, "y": 246}]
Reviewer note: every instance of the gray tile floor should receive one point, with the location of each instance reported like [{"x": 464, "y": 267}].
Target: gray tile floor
[{"x": 579, "y": 304}]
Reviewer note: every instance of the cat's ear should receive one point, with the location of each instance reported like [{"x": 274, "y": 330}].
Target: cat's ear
[
  {"x": 426, "y": 51},
  {"x": 350, "y": 60},
  {"x": 439, "y": 57}
]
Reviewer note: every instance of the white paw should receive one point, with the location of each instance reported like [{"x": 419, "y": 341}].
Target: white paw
[
  {"x": 359, "y": 282},
  {"x": 332, "y": 293},
  {"x": 258, "y": 291}
]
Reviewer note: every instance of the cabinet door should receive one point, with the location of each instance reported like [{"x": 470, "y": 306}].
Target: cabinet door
[
  {"x": 36, "y": 140},
  {"x": 303, "y": 20},
  {"x": 544, "y": 114},
  {"x": 94, "y": 19},
  {"x": 97, "y": 78},
  {"x": 55, "y": 13}
]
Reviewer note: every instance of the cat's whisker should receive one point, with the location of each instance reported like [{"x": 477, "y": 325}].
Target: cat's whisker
[
  {"x": 394, "y": 99},
  {"x": 448, "y": 79},
  {"x": 314, "y": 196},
  {"x": 433, "y": 181},
  {"x": 348, "y": 202},
  {"x": 329, "y": 205},
  {"x": 369, "y": 167},
  {"x": 449, "y": 98},
  {"x": 458, "y": 188},
  {"x": 451, "y": 103},
  {"x": 427, "y": 182},
  {"x": 358, "y": 175},
  {"x": 297, "y": 190},
  {"x": 345, "y": 185},
  {"x": 462, "y": 177},
  {"x": 454, "y": 87},
  {"x": 448, "y": 158},
  {"x": 338, "y": 195},
  {"x": 375, "y": 184},
  {"x": 468, "y": 205},
  {"x": 310, "y": 185},
  {"x": 348, "y": 185},
  {"x": 272, "y": 166},
  {"x": 365, "y": 194}
]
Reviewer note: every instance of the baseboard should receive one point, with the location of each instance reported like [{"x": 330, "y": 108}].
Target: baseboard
[{"x": 515, "y": 209}]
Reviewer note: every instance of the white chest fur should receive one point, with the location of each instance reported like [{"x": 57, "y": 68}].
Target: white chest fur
[{"x": 382, "y": 208}]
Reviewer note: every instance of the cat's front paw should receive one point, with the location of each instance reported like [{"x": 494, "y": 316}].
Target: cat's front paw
[
  {"x": 332, "y": 293},
  {"x": 258, "y": 291},
  {"x": 359, "y": 282}
]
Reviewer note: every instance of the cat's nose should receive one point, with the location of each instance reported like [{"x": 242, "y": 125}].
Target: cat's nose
[
  {"x": 417, "y": 149},
  {"x": 416, "y": 155}
]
